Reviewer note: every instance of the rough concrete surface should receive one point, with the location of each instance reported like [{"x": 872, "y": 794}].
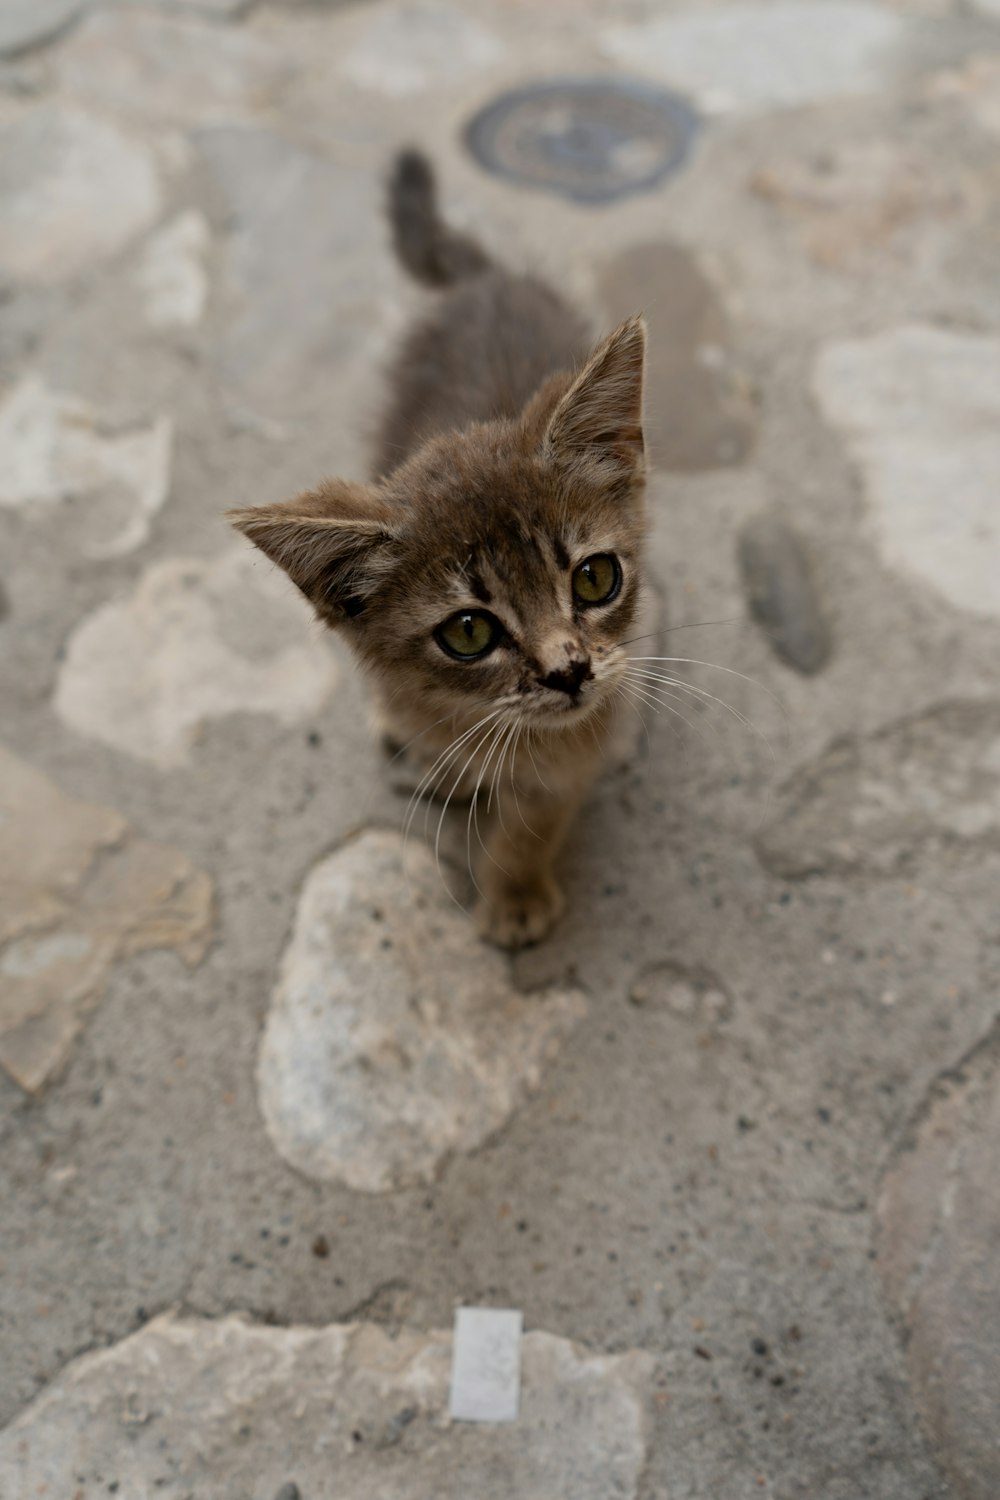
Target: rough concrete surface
[{"x": 774, "y": 989}]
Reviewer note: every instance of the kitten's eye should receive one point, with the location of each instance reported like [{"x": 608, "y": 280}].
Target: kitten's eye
[
  {"x": 598, "y": 579},
  {"x": 468, "y": 635}
]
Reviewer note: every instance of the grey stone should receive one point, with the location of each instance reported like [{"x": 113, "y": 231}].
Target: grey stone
[
  {"x": 779, "y": 583},
  {"x": 920, "y": 409},
  {"x": 760, "y": 57},
  {"x": 228, "y": 1408},
  {"x": 938, "y": 1232},
  {"x": 700, "y": 411},
  {"x": 30, "y": 23},
  {"x": 927, "y": 782},
  {"x": 75, "y": 189},
  {"x": 57, "y": 449},
  {"x": 299, "y": 291},
  {"x": 195, "y": 641},
  {"x": 375, "y": 1064},
  {"x": 77, "y": 893}
]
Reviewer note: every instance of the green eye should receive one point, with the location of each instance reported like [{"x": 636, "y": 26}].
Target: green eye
[
  {"x": 598, "y": 579},
  {"x": 468, "y": 635}
]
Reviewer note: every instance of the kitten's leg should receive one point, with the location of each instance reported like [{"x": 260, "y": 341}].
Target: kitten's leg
[{"x": 520, "y": 897}]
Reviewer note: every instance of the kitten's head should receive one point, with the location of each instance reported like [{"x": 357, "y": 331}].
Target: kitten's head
[{"x": 498, "y": 568}]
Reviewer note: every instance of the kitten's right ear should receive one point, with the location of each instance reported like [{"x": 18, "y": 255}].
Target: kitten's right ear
[
  {"x": 599, "y": 419},
  {"x": 335, "y": 543}
]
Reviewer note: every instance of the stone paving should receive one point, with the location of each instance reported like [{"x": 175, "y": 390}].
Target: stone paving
[{"x": 268, "y": 1111}]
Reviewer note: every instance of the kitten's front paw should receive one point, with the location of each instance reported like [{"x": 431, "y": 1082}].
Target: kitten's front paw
[{"x": 513, "y": 916}]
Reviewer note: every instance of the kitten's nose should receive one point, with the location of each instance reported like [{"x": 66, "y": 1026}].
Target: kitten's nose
[{"x": 568, "y": 679}]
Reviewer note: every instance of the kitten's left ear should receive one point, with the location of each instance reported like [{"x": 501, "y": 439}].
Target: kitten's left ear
[{"x": 600, "y": 416}]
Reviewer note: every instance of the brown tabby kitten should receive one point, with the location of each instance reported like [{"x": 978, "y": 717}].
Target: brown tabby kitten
[{"x": 488, "y": 576}]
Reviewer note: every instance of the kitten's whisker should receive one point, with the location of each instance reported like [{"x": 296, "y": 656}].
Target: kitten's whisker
[
  {"x": 438, "y": 770},
  {"x": 531, "y": 754},
  {"x": 420, "y": 734},
  {"x": 703, "y": 694},
  {"x": 457, "y": 782},
  {"x": 473, "y": 818},
  {"x": 618, "y": 692},
  {"x": 656, "y": 704},
  {"x": 713, "y": 666},
  {"x": 665, "y": 698},
  {"x": 685, "y": 625},
  {"x": 513, "y": 786}
]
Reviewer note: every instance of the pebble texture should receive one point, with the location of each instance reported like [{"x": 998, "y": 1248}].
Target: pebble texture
[
  {"x": 77, "y": 892},
  {"x": 229, "y": 1407},
  {"x": 920, "y": 408},
  {"x": 56, "y": 448},
  {"x": 195, "y": 641},
  {"x": 939, "y": 1228},
  {"x": 375, "y": 1065},
  {"x": 928, "y": 783}
]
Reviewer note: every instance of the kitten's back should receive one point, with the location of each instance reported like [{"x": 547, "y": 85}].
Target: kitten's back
[{"x": 489, "y": 344}]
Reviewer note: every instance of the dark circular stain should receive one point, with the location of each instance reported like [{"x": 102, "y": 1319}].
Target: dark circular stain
[{"x": 589, "y": 139}]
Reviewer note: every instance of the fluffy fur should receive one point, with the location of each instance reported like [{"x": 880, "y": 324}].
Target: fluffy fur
[{"x": 507, "y": 457}]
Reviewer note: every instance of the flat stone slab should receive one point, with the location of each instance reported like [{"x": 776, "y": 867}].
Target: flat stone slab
[
  {"x": 927, "y": 782},
  {"x": 226, "y": 1408},
  {"x": 395, "y": 1037},
  {"x": 196, "y": 640},
  {"x": 32, "y": 23},
  {"x": 57, "y": 449},
  {"x": 938, "y": 1232},
  {"x": 920, "y": 409},
  {"x": 297, "y": 237},
  {"x": 77, "y": 892},
  {"x": 700, "y": 411},
  {"x": 754, "y": 58},
  {"x": 171, "y": 69},
  {"x": 75, "y": 190}
]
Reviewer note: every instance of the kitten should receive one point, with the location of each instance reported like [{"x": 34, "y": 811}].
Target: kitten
[{"x": 489, "y": 575}]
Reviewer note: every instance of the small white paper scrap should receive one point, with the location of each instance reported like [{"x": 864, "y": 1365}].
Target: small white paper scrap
[{"x": 486, "y": 1365}]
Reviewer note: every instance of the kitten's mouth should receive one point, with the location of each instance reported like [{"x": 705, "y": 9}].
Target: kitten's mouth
[{"x": 566, "y": 711}]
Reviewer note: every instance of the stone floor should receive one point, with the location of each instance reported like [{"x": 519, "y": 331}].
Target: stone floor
[{"x": 728, "y": 1138}]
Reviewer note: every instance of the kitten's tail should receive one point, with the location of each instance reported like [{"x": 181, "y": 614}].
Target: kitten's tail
[{"x": 430, "y": 251}]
